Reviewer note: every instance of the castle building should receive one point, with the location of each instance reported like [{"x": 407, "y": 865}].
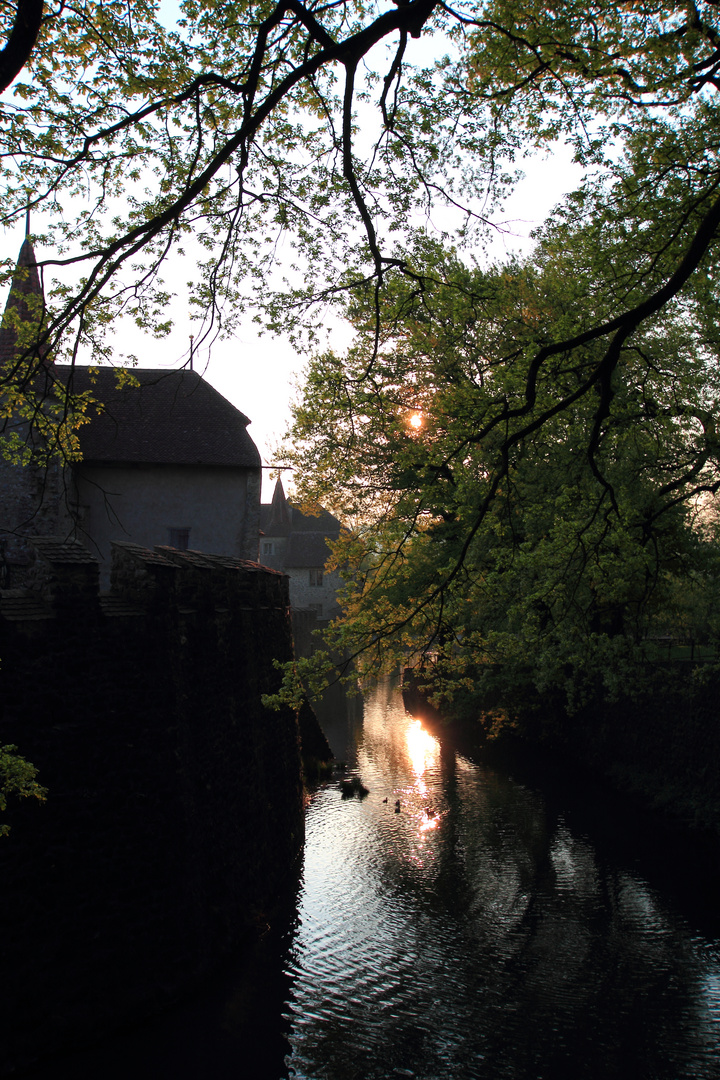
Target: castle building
[
  {"x": 166, "y": 459},
  {"x": 297, "y": 544}
]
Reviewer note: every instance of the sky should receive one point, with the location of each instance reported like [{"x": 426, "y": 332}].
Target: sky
[{"x": 258, "y": 373}]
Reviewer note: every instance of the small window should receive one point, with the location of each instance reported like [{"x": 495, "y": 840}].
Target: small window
[
  {"x": 317, "y": 608},
  {"x": 316, "y": 576},
  {"x": 179, "y": 538},
  {"x": 267, "y": 548}
]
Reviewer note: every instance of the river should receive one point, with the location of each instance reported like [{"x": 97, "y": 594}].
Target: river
[{"x": 489, "y": 926}]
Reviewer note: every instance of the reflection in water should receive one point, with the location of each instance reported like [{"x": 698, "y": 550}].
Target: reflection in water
[
  {"x": 471, "y": 935},
  {"x": 475, "y": 934},
  {"x": 423, "y": 751}
]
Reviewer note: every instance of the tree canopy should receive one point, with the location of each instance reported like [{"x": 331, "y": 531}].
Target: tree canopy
[
  {"x": 336, "y": 132},
  {"x": 17, "y": 781}
]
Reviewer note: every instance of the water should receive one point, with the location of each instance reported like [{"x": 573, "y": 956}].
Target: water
[
  {"x": 476, "y": 934},
  {"x": 492, "y": 928}
]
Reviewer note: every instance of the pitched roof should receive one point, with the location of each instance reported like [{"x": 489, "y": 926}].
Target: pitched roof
[
  {"x": 62, "y": 552},
  {"x": 307, "y": 533},
  {"x": 306, "y": 549},
  {"x": 278, "y": 522},
  {"x": 170, "y": 418},
  {"x": 281, "y": 518},
  {"x": 27, "y": 299}
]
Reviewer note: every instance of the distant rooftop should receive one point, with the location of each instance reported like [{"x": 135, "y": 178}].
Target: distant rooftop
[
  {"x": 307, "y": 533},
  {"x": 26, "y": 298},
  {"x": 281, "y": 518}
]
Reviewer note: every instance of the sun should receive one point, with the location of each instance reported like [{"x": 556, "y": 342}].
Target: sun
[{"x": 416, "y": 421}]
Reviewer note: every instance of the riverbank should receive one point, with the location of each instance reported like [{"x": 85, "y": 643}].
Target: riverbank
[{"x": 660, "y": 744}]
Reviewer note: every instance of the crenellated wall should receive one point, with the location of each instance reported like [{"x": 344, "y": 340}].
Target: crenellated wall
[{"x": 174, "y": 817}]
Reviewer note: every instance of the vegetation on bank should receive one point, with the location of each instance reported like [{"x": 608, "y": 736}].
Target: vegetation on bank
[{"x": 18, "y": 779}]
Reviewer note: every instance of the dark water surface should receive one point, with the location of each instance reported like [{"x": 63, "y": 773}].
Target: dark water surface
[{"x": 493, "y": 928}]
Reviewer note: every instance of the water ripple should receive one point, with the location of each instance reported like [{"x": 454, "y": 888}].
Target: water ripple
[{"x": 472, "y": 936}]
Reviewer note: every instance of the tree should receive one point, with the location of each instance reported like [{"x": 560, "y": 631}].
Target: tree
[
  {"x": 17, "y": 780},
  {"x": 26, "y": 21},
  {"x": 248, "y": 126},
  {"x": 513, "y": 539}
]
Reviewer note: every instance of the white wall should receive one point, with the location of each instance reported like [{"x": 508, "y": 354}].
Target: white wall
[
  {"x": 305, "y": 595},
  {"x": 220, "y": 506}
]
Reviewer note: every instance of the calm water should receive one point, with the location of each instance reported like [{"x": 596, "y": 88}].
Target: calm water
[
  {"x": 476, "y": 934},
  {"x": 487, "y": 930}
]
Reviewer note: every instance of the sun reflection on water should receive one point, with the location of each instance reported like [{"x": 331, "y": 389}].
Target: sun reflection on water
[
  {"x": 430, "y": 821},
  {"x": 423, "y": 751},
  {"x": 424, "y": 754}
]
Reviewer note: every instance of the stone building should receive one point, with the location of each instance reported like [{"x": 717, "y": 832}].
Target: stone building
[
  {"x": 165, "y": 461},
  {"x": 297, "y": 543}
]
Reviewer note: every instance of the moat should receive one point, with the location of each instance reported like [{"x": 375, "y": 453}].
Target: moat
[{"x": 491, "y": 927}]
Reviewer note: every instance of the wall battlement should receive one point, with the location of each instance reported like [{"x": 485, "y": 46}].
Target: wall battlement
[{"x": 174, "y": 816}]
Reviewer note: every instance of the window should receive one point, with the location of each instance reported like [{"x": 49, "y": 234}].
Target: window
[
  {"x": 267, "y": 548},
  {"x": 179, "y": 538},
  {"x": 316, "y": 576},
  {"x": 317, "y": 608}
]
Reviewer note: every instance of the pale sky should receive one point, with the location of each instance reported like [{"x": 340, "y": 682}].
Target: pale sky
[{"x": 257, "y": 373}]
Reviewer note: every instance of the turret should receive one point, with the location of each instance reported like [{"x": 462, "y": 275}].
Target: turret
[{"x": 25, "y": 309}]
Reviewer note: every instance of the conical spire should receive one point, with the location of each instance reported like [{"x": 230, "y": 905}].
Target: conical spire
[
  {"x": 25, "y": 305},
  {"x": 280, "y": 513}
]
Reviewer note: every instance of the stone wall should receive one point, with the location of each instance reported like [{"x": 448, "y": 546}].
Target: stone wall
[
  {"x": 174, "y": 817},
  {"x": 33, "y": 502}
]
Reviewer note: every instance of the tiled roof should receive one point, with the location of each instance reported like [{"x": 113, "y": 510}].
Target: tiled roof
[
  {"x": 306, "y": 549},
  {"x": 171, "y": 418},
  {"x": 16, "y": 608},
  {"x": 144, "y": 554},
  {"x": 307, "y": 533},
  {"x": 205, "y": 559},
  {"x": 117, "y": 607},
  {"x": 280, "y": 518},
  {"x": 61, "y": 551},
  {"x": 323, "y": 523}
]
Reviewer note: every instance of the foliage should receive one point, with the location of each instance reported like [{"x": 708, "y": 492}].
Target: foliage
[
  {"x": 17, "y": 780},
  {"x": 335, "y": 134},
  {"x": 514, "y": 538},
  {"x": 568, "y": 403}
]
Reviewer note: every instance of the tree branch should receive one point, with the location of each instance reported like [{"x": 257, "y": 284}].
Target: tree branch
[{"x": 20, "y": 44}]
